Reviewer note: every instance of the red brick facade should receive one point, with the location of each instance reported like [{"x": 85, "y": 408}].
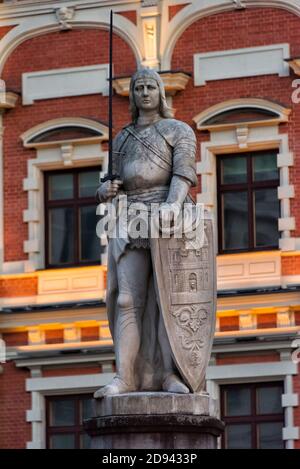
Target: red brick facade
[
  {"x": 14, "y": 403},
  {"x": 51, "y": 51},
  {"x": 79, "y": 47},
  {"x": 224, "y": 29}
]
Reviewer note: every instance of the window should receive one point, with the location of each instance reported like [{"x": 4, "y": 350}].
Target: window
[
  {"x": 64, "y": 421},
  {"x": 253, "y": 416},
  {"x": 71, "y": 218},
  {"x": 248, "y": 205}
]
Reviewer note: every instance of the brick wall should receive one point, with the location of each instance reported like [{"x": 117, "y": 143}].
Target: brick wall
[
  {"x": 174, "y": 9},
  {"x": 130, "y": 15},
  {"x": 290, "y": 265},
  {"x": 14, "y": 430},
  {"x": 50, "y": 51},
  {"x": 247, "y": 358},
  {"x": 18, "y": 287},
  {"x": 237, "y": 29}
]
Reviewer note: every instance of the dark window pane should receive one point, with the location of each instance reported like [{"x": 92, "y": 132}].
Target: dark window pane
[
  {"x": 89, "y": 241},
  {"x": 88, "y": 183},
  {"x": 238, "y": 436},
  {"x": 86, "y": 409},
  {"x": 235, "y": 220},
  {"x": 266, "y": 206},
  {"x": 61, "y": 186},
  {"x": 269, "y": 400},
  {"x": 237, "y": 402},
  {"x": 234, "y": 170},
  {"x": 63, "y": 441},
  {"x": 85, "y": 441},
  {"x": 62, "y": 413},
  {"x": 270, "y": 435},
  {"x": 265, "y": 167},
  {"x": 61, "y": 236}
]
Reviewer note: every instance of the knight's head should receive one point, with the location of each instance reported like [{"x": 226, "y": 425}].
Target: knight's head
[{"x": 145, "y": 75}]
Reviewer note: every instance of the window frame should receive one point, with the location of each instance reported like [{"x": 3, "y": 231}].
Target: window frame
[
  {"x": 75, "y": 203},
  {"x": 253, "y": 419},
  {"x": 249, "y": 186},
  {"x": 77, "y": 429}
]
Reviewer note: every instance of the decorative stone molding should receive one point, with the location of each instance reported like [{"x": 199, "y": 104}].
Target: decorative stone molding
[
  {"x": 63, "y": 285},
  {"x": 247, "y": 321},
  {"x": 30, "y": 137},
  {"x": 72, "y": 334},
  {"x": 121, "y": 85},
  {"x": 294, "y": 64},
  {"x": 238, "y": 63},
  {"x": 37, "y": 20},
  {"x": 173, "y": 81},
  {"x": 242, "y": 136},
  {"x": 248, "y": 270},
  {"x": 239, "y": 5},
  {"x": 150, "y": 24},
  {"x": 64, "y": 15},
  {"x": 276, "y": 114},
  {"x": 67, "y": 154},
  {"x": 8, "y": 100},
  {"x": 64, "y": 82},
  {"x": 285, "y": 318},
  {"x": 149, "y": 3},
  {"x": 36, "y": 336}
]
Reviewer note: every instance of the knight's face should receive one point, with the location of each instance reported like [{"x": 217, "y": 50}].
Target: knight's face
[{"x": 146, "y": 94}]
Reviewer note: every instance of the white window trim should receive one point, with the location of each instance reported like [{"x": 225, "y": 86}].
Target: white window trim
[
  {"x": 241, "y": 137},
  {"x": 52, "y": 157},
  {"x": 249, "y": 139},
  {"x": 42, "y": 387},
  {"x": 258, "y": 373}
]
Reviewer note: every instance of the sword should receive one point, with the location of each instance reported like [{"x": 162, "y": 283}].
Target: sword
[{"x": 110, "y": 176}]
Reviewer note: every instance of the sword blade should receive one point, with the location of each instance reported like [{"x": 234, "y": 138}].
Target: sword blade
[{"x": 110, "y": 176}]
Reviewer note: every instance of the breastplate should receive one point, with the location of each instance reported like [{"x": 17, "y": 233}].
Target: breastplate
[{"x": 139, "y": 166}]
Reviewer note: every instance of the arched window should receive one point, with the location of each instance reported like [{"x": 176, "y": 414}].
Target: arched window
[
  {"x": 61, "y": 184},
  {"x": 245, "y": 174}
]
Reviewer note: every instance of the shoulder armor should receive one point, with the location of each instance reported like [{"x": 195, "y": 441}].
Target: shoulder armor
[{"x": 174, "y": 130}]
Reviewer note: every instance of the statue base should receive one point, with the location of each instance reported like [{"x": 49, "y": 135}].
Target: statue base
[{"x": 154, "y": 420}]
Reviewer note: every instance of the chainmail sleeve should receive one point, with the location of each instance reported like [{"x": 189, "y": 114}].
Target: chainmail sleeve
[
  {"x": 184, "y": 153},
  {"x": 182, "y": 140}
]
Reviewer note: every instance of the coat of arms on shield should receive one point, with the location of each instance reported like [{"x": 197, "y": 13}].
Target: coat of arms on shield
[{"x": 186, "y": 290}]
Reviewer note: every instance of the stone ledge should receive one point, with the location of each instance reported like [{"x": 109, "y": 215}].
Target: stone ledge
[
  {"x": 158, "y": 403},
  {"x": 154, "y": 423},
  {"x": 174, "y": 82},
  {"x": 149, "y": 420}
]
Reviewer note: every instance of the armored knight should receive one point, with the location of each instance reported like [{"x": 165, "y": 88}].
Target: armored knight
[{"x": 158, "y": 321}]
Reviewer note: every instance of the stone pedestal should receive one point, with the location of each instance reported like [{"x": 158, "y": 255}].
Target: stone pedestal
[{"x": 146, "y": 420}]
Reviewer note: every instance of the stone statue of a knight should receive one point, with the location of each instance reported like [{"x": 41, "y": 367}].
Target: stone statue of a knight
[{"x": 160, "y": 292}]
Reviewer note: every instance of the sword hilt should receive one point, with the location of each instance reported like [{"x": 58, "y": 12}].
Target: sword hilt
[{"x": 110, "y": 177}]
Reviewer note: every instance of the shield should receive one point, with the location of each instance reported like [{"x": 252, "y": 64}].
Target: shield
[{"x": 186, "y": 291}]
